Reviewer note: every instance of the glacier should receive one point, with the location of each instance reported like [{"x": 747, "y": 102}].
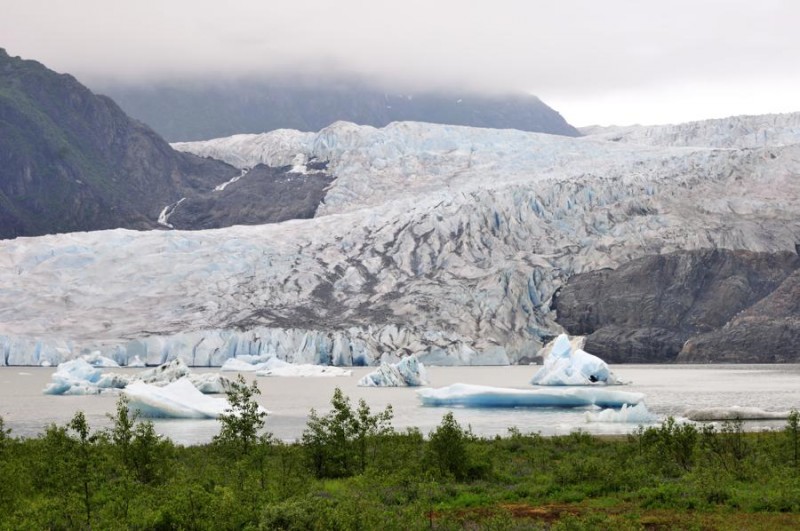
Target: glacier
[
  {"x": 440, "y": 241},
  {"x": 564, "y": 364},
  {"x": 468, "y": 395},
  {"x": 409, "y": 371}
]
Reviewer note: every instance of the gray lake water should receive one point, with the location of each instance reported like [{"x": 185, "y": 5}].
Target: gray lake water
[{"x": 669, "y": 390}]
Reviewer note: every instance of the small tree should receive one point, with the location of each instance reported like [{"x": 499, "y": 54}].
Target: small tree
[
  {"x": 83, "y": 461},
  {"x": 242, "y": 421},
  {"x": 448, "y": 447},
  {"x": 337, "y": 444},
  {"x": 792, "y": 431}
]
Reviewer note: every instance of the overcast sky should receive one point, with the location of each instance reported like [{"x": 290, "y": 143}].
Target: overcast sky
[{"x": 595, "y": 61}]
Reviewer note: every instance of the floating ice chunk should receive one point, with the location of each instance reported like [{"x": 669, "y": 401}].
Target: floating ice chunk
[
  {"x": 734, "y": 413},
  {"x": 407, "y": 372},
  {"x": 165, "y": 373},
  {"x": 179, "y": 399},
  {"x": 211, "y": 383},
  {"x": 636, "y": 414},
  {"x": 567, "y": 365},
  {"x": 276, "y": 367},
  {"x": 482, "y": 396},
  {"x": 237, "y": 365},
  {"x": 79, "y": 377},
  {"x": 95, "y": 359},
  {"x": 136, "y": 362}
]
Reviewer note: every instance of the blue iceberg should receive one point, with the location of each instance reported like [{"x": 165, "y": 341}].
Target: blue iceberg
[{"x": 482, "y": 396}]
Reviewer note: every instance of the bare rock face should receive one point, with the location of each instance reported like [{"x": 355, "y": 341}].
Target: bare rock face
[
  {"x": 262, "y": 195},
  {"x": 767, "y": 332},
  {"x": 645, "y": 310}
]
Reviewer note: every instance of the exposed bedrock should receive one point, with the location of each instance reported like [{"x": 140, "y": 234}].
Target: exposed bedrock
[
  {"x": 768, "y": 331},
  {"x": 647, "y": 309}
]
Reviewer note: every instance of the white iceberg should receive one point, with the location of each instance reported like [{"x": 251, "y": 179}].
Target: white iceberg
[
  {"x": 487, "y": 397},
  {"x": 567, "y": 364},
  {"x": 211, "y": 383},
  {"x": 635, "y": 414},
  {"x": 407, "y": 372},
  {"x": 276, "y": 367},
  {"x": 238, "y": 365},
  {"x": 734, "y": 413},
  {"x": 179, "y": 400}
]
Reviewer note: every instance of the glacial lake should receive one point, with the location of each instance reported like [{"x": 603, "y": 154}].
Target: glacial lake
[{"x": 669, "y": 390}]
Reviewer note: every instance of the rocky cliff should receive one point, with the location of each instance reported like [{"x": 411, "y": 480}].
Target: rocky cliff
[{"x": 705, "y": 305}]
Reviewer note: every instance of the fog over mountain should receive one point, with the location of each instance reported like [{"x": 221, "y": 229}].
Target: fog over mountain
[
  {"x": 204, "y": 110},
  {"x": 596, "y": 62}
]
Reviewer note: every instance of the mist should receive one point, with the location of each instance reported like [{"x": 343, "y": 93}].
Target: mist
[{"x": 574, "y": 52}]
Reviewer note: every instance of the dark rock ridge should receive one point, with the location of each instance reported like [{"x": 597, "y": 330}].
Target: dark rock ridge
[
  {"x": 71, "y": 160},
  {"x": 262, "y": 195},
  {"x": 735, "y": 306},
  {"x": 200, "y": 111},
  {"x": 767, "y": 332}
]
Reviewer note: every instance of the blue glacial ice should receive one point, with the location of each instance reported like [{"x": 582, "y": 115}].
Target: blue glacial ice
[
  {"x": 568, "y": 364},
  {"x": 79, "y": 377},
  {"x": 481, "y": 396},
  {"x": 407, "y": 372}
]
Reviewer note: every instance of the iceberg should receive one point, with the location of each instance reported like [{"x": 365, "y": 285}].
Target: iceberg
[
  {"x": 79, "y": 377},
  {"x": 276, "y": 367},
  {"x": 178, "y": 400},
  {"x": 636, "y": 414},
  {"x": 734, "y": 413},
  {"x": 95, "y": 359},
  {"x": 238, "y": 365},
  {"x": 568, "y": 364},
  {"x": 407, "y": 372},
  {"x": 467, "y": 395}
]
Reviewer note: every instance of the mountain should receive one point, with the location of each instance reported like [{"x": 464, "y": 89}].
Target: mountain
[
  {"x": 198, "y": 110},
  {"x": 71, "y": 160},
  {"x": 444, "y": 241}
]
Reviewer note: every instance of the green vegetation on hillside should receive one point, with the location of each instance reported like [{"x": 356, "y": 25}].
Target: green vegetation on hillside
[{"x": 352, "y": 470}]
